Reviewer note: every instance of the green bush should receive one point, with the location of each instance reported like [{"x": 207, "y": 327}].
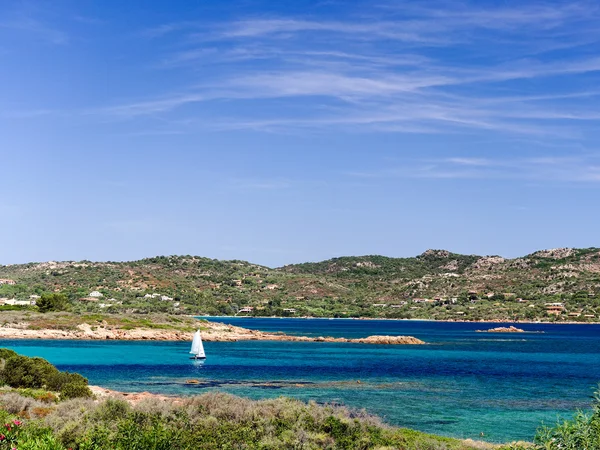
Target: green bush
[
  {"x": 52, "y": 302},
  {"x": 24, "y": 372},
  {"x": 19, "y": 371},
  {"x": 580, "y": 433},
  {"x": 74, "y": 390}
]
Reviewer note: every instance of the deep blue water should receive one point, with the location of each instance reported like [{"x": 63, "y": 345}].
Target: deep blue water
[{"x": 461, "y": 384}]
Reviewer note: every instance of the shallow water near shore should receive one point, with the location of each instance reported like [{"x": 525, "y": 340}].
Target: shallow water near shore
[{"x": 462, "y": 384}]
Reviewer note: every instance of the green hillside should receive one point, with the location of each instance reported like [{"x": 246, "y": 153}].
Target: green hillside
[{"x": 446, "y": 286}]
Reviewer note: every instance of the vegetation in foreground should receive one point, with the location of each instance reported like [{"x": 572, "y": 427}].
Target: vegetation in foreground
[
  {"x": 209, "y": 421},
  {"x": 467, "y": 287}
]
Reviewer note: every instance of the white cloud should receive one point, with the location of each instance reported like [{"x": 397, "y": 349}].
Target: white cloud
[
  {"x": 583, "y": 168},
  {"x": 381, "y": 69}
]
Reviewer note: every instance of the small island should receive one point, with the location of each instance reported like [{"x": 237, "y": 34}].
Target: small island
[{"x": 510, "y": 329}]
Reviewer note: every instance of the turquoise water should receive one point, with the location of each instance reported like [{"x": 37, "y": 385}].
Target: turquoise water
[{"x": 461, "y": 384}]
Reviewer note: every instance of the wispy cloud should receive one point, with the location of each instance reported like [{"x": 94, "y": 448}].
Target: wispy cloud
[
  {"x": 583, "y": 168},
  {"x": 380, "y": 68}
]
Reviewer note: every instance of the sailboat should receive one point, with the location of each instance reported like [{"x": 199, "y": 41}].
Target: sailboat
[{"x": 197, "y": 348}]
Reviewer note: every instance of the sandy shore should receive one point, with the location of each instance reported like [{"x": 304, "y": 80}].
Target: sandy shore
[{"x": 211, "y": 331}]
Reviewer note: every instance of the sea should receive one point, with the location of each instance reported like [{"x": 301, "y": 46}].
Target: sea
[{"x": 497, "y": 387}]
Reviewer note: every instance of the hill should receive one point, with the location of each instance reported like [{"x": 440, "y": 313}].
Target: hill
[{"x": 436, "y": 284}]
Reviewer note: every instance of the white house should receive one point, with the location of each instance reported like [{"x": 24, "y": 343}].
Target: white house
[
  {"x": 15, "y": 302},
  {"x": 95, "y": 294}
]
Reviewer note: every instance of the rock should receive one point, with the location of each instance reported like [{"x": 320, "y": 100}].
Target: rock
[
  {"x": 510, "y": 329},
  {"x": 555, "y": 253},
  {"x": 388, "y": 340}
]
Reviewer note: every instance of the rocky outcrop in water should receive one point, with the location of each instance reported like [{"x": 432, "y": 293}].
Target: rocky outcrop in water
[{"x": 510, "y": 329}]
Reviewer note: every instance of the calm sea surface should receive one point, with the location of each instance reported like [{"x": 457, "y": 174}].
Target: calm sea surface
[{"x": 461, "y": 384}]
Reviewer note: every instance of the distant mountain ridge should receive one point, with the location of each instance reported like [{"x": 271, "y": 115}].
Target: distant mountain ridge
[{"x": 347, "y": 286}]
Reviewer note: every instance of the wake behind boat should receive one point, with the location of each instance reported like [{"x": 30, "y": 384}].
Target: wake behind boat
[{"x": 197, "y": 348}]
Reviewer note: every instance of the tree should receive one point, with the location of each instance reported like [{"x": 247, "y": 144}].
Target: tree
[{"x": 52, "y": 302}]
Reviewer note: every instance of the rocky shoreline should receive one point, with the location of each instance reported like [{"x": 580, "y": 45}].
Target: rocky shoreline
[{"x": 211, "y": 332}]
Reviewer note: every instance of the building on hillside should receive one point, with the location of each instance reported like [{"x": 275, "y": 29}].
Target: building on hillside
[
  {"x": 34, "y": 297},
  {"x": 555, "y": 308},
  {"x": 166, "y": 298},
  {"x": 398, "y": 305},
  {"x": 15, "y": 302},
  {"x": 289, "y": 310},
  {"x": 246, "y": 309},
  {"x": 95, "y": 294},
  {"x": 7, "y": 281}
]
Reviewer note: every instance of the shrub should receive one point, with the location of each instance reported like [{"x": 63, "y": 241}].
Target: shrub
[
  {"x": 580, "y": 433},
  {"x": 21, "y": 371},
  {"x": 14, "y": 403},
  {"x": 39, "y": 394},
  {"x": 52, "y": 302},
  {"x": 111, "y": 409},
  {"x": 74, "y": 390},
  {"x": 31, "y": 373}
]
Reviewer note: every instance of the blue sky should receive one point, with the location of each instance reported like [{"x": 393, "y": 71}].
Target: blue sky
[{"x": 281, "y": 132}]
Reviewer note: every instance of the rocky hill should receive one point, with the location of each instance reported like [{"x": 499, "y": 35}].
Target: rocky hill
[{"x": 436, "y": 284}]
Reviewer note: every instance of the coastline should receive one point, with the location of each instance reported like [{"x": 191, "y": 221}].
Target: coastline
[
  {"x": 491, "y": 321},
  {"x": 210, "y": 331}
]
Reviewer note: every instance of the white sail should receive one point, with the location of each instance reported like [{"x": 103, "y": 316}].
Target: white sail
[
  {"x": 197, "y": 347},
  {"x": 200, "y": 353},
  {"x": 195, "y": 343}
]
